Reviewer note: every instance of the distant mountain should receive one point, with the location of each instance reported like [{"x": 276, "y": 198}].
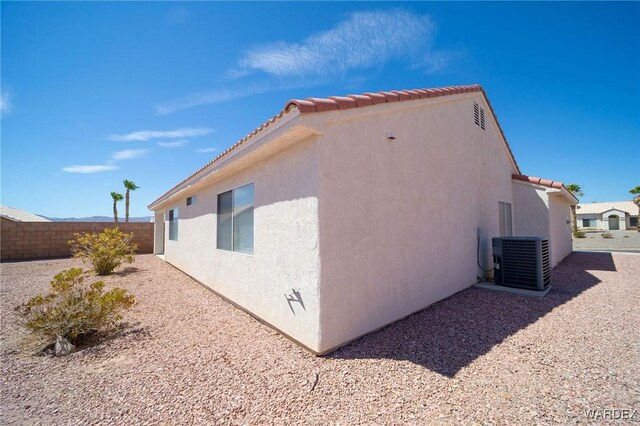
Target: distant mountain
[{"x": 96, "y": 219}]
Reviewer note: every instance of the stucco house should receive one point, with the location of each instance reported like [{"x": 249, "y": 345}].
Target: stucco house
[
  {"x": 341, "y": 215},
  {"x": 609, "y": 216}
]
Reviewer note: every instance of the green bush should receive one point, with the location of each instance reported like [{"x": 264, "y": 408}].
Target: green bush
[
  {"x": 74, "y": 309},
  {"x": 579, "y": 234},
  {"x": 105, "y": 251},
  {"x": 607, "y": 235}
]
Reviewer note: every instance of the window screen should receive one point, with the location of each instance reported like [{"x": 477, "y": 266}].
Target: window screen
[
  {"x": 225, "y": 210},
  {"x": 235, "y": 220},
  {"x": 173, "y": 224}
]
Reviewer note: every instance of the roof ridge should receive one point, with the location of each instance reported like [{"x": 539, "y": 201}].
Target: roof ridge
[{"x": 332, "y": 103}]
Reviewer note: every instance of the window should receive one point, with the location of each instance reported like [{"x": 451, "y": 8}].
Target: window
[
  {"x": 173, "y": 224},
  {"x": 633, "y": 221},
  {"x": 506, "y": 227},
  {"x": 192, "y": 200},
  {"x": 235, "y": 220},
  {"x": 589, "y": 223}
]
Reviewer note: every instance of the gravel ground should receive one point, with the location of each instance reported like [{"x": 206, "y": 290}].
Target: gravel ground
[
  {"x": 622, "y": 240},
  {"x": 477, "y": 357}
]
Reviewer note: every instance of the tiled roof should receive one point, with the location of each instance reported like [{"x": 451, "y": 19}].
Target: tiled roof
[
  {"x": 597, "y": 208},
  {"x": 18, "y": 215},
  {"x": 545, "y": 182},
  {"x": 317, "y": 105},
  {"x": 333, "y": 103},
  {"x": 538, "y": 181}
]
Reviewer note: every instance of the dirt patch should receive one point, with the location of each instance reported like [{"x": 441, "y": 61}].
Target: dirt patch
[{"x": 480, "y": 356}]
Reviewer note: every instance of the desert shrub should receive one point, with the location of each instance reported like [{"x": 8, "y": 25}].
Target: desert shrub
[
  {"x": 104, "y": 251},
  {"x": 74, "y": 309},
  {"x": 579, "y": 234},
  {"x": 607, "y": 235}
]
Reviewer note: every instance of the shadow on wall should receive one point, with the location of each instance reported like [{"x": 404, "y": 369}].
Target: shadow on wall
[{"x": 451, "y": 334}]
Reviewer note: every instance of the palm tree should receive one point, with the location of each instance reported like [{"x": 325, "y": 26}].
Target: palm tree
[
  {"x": 576, "y": 190},
  {"x": 636, "y": 199},
  {"x": 116, "y": 197},
  {"x": 130, "y": 186}
]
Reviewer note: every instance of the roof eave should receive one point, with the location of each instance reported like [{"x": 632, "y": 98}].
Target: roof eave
[{"x": 262, "y": 147}]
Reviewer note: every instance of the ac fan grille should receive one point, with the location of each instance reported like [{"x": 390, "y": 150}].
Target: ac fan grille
[{"x": 520, "y": 262}]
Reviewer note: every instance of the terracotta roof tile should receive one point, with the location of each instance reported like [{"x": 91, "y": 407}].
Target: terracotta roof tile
[
  {"x": 317, "y": 105},
  {"x": 538, "y": 181},
  {"x": 390, "y": 96},
  {"x": 403, "y": 95},
  {"x": 377, "y": 98},
  {"x": 362, "y": 100},
  {"x": 413, "y": 94},
  {"x": 344, "y": 102},
  {"x": 303, "y": 106},
  {"x": 323, "y": 104}
]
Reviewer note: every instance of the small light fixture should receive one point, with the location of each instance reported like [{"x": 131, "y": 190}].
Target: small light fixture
[{"x": 391, "y": 136}]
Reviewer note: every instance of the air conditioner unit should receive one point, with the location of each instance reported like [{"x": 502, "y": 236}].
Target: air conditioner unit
[{"x": 522, "y": 262}]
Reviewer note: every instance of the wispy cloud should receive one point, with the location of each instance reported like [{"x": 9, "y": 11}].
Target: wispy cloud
[
  {"x": 206, "y": 150},
  {"x": 128, "y": 154},
  {"x": 173, "y": 144},
  {"x": 125, "y": 154},
  {"x": 215, "y": 96},
  {"x": 363, "y": 41},
  {"x": 89, "y": 169},
  {"x": 145, "y": 135},
  {"x": 5, "y": 102}
]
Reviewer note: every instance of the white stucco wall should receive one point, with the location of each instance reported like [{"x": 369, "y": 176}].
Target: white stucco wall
[
  {"x": 399, "y": 219},
  {"x": 541, "y": 212},
  {"x": 559, "y": 228},
  {"x": 530, "y": 210},
  {"x": 286, "y": 247}
]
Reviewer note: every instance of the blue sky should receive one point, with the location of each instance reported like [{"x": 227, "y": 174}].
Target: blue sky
[{"x": 94, "y": 93}]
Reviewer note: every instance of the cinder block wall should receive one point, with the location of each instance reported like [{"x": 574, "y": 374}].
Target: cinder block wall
[{"x": 41, "y": 240}]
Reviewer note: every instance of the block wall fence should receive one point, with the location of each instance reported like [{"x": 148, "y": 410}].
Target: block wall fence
[{"x": 41, "y": 240}]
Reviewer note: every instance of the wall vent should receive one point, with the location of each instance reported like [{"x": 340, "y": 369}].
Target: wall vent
[
  {"x": 522, "y": 262},
  {"x": 478, "y": 115}
]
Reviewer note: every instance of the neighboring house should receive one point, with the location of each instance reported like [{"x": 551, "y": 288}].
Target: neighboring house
[
  {"x": 17, "y": 215},
  {"x": 339, "y": 216},
  {"x": 609, "y": 216}
]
